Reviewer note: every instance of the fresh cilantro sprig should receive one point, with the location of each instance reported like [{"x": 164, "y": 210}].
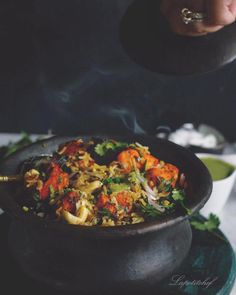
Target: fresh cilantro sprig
[
  {"x": 179, "y": 196},
  {"x": 102, "y": 148},
  {"x": 165, "y": 185},
  {"x": 210, "y": 224},
  {"x": 113, "y": 180},
  {"x": 106, "y": 212},
  {"x": 150, "y": 211}
]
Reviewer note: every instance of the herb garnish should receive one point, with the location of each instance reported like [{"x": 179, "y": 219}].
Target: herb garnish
[
  {"x": 102, "y": 148},
  {"x": 210, "y": 224},
  {"x": 150, "y": 211},
  {"x": 106, "y": 212},
  {"x": 179, "y": 196},
  {"x": 113, "y": 180},
  {"x": 165, "y": 185}
]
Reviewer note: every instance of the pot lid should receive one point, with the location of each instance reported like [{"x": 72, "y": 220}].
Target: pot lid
[{"x": 148, "y": 40}]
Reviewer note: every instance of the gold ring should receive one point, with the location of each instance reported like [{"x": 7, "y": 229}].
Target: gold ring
[{"x": 189, "y": 16}]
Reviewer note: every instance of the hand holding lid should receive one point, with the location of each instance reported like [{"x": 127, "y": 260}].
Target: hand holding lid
[
  {"x": 180, "y": 37},
  {"x": 198, "y": 18}
]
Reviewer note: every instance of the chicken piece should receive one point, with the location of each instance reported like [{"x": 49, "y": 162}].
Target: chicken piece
[
  {"x": 111, "y": 208},
  {"x": 104, "y": 202},
  {"x": 130, "y": 158},
  {"x": 125, "y": 200},
  {"x": 71, "y": 148},
  {"x": 151, "y": 161},
  {"x": 58, "y": 180},
  {"x": 85, "y": 161},
  {"x": 168, "y": 172},
  {"x": 69, "y": 202}
]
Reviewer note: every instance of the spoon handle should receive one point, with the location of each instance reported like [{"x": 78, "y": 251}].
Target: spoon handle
[{"x": 10, "y": 178}]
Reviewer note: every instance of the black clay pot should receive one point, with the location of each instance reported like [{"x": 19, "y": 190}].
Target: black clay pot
[{"x": 92, "y": 260}]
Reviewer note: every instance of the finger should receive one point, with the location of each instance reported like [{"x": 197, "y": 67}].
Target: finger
[
  {"x": 232, "y": 7},
  {"x": 199, "y": 28},
  {"x": 220, "y": 12},
  {"x": 202, "y": 28},
  {"x": 172, "y": 10}
]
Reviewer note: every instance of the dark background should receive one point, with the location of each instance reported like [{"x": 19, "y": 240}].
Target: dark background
[{"x": 62, "y": 67}]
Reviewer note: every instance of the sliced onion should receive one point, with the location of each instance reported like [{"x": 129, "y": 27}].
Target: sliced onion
[
  {"x": 156, "y": 206},
  {"x": 146, "y": 187},
  {"x": 151, "y": 195}
]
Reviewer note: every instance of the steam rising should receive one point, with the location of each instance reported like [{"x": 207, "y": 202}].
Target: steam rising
[{"x": 127, "y": 117}]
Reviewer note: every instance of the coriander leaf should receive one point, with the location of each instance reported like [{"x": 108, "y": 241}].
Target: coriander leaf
[
  {"x": 106, "y": 212},
  {"x": 113, "y": 180},
  {"x": 102, "y": 148},
  {"x": 210, "y": 224},
  {"x": 150, "y": 211},
  {"x": 165, "y": 185},
  {"x": 188, "y": 211},
  {"x": 67, "y": 190},
  {"x": 178, "y": 195},
  {"x": 168, "y": 205}
]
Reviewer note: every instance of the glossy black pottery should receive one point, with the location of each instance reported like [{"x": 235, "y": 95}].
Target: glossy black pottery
[{"x": 92, "y": 260}]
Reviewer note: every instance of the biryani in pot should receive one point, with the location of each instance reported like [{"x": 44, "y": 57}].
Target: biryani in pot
[{"x": 106, "y": 183}]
